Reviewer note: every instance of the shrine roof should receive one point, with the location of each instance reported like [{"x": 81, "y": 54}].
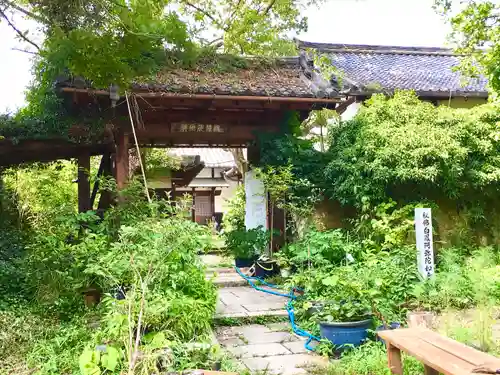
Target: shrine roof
[
  {"x": 280, "y": 78},
  {"x": 430, "y": 71},
  {"x": 284, "y": 77}
]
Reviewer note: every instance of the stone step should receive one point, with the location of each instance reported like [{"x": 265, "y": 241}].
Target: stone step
[
  {"x": 222, "y": 270},
  {"x": 246, "y": 302},
  {"x": 227, "y": 280},
  {"x": 272, "y": 348},
  {"x": 243, "y": 315},
  {"x": 225, "y": 277}
]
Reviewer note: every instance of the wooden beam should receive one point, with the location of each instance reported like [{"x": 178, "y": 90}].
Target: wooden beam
[
  {"x": 122, "y": 161},
  {"x": 232, "y": 135},
  {"x": 215, "y": 116},
  {"x": 45, "y": 150},
  {"x": 343, "y": 106},
  {"x": 83, "y": 183},
  {"x": 212, "y": 97}
]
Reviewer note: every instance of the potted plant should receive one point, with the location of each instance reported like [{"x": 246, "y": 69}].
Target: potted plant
[
  {"x": 345, "y": 316},
  {"x": 344, "y": 322},
  {"x": 284, "y": 263},
  {"x": 91, "y": 296},
  {"x": 246, "y": 245}
]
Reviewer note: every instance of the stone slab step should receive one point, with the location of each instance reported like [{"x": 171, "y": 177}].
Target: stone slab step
[
  {"x": 225, "y": 281},
  {"x": 246, "y": 302},
  {"x": 271, "y": 348},
  {"x": 251, "y": 314},
  {"x": 223, "y": 270},
  {"x": 225, "y": 277}
]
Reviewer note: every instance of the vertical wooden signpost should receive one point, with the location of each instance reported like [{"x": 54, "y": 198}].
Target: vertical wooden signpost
[
  {"x": 256, "y": 205},
  {"x": 425, "y": 248}
]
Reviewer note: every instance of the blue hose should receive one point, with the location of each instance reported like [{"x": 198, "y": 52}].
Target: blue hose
[{"x": 289, "y": 306}]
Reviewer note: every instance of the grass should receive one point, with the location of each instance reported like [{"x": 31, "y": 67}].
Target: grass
[
  {"x": 474, "y": 327},
  {"x": 370, "y": 359},
  {"x": 234, "y": 322}
]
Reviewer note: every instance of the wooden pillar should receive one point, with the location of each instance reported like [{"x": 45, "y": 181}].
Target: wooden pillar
[
  {"x": 83, "y": 183},
  {"x": 107, "y": 171},
  {"x": 193, "y": 210},
  {"x": 212, "y": 200},
  {"x": 122, "y": 161}
]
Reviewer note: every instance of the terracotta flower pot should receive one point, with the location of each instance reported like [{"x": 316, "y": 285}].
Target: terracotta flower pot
[{"x": 91, "y": 296}]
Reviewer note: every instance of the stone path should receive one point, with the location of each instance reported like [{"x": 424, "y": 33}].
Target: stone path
[
  {"x": 243, "y": 302},
  {"x": 269, "y": 349},
  {"x": 225, "y": 277},
  {"x": 220, "y": 271},
  {"x": 272, "y": 349}
]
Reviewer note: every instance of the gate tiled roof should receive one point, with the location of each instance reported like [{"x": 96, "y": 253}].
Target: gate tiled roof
[{"x": 428, "y": 71}]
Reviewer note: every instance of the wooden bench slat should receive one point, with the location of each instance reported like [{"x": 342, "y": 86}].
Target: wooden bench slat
[
  {"x": 428, "y": 354},
  {"x": 471, "y": 355},
  {"x": 418, "y": 343},
  {"x": 474, "y": 356}
]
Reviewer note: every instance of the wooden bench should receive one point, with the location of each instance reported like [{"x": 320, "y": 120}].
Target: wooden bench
[{"x": 439, "y": 354}]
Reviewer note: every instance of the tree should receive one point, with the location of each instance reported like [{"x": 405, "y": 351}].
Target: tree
[
  {"x": 113, "y": 41},
  {"x": 321, "y": 119},
  {"x": 251, "y": 27},
  {"x": 476, "y": 31},
  {"x": 106, "y": 41}
]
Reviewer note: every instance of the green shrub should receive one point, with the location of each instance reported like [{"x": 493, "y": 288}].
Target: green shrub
[
  {"x": 318, "y": 249},
  {"x": 410, "y": 150},
  {"x": 461, "y": 281},
  {"x": 379, "y": 284},
  {"x": 148, "y": 251},
  {"x": 163, "y": 252},
  {"x": 234, "y": 218},
  {"x": 247, "y": 244}
]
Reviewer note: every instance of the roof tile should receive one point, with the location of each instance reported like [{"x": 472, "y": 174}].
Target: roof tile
[
  {"x": 283, "y": 79},
  {"x": 212, "y": 157},
  {"x": 388, "y": 68}
]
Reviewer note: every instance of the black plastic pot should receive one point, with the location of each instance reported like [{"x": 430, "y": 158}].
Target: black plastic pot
[
  {"x": 266, "y": 268},
  {"x": 393, "y": 325},
  {"x": 120, "y": 292},
  {"x": 244, "y": 263}
]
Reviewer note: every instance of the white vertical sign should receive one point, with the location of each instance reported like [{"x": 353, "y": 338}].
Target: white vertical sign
[
  {"x": 255, "y": 207},
  {"x": 423, "y": 230}
]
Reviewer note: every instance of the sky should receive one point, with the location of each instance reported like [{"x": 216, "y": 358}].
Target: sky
[{"x": 380, "y": 22}]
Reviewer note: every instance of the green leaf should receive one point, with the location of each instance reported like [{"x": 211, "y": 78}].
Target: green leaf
[
  {"x": 331, "y": 280},
  {"x": 111, "y": 358},
  {"x": 89, "y": 362}
]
